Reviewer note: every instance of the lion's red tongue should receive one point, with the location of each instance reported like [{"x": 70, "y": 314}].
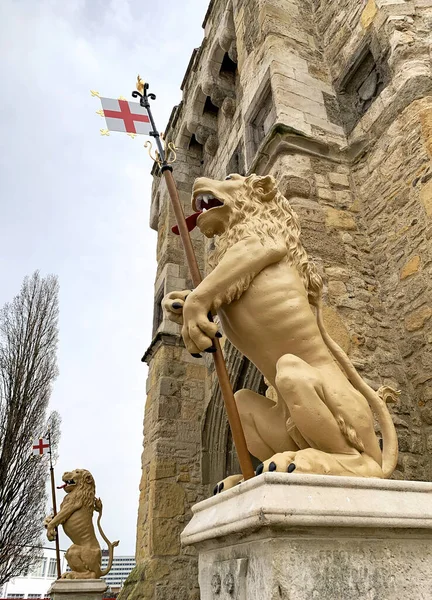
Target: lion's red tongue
[
  {"x": 190, "y": 223},
  {"x": 60, "y": 487}
]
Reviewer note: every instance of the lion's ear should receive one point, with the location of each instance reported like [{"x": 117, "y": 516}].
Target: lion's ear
[
  {"x": 265, "y": 187},
  {"x": 88, "y": 479}
]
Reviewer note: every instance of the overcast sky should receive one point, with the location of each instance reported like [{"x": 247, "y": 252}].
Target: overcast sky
[{"x": 76, "y": 204}]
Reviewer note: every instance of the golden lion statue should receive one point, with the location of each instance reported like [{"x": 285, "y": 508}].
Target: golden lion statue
[
  {"x": 268, "y": 298},
  {"x": 76, "y": 516}
]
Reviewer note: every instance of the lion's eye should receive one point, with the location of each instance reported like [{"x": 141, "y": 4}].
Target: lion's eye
[{"x": 228, "y": 177}]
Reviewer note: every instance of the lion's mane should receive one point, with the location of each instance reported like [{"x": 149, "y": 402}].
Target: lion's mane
[
  {"x": 85, "y": 489},
  {"x": 273, "y": 219}
]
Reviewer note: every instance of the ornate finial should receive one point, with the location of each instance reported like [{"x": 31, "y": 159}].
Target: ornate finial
[
  {"x": 100, "y": 112},
  {"x": 140, "y": 85},
  {"x": 94, "y": 93},
  {"x": 156, "y": 156},
  {"x": 104, "y": 132},
  {"x": 170, "y": 152}
]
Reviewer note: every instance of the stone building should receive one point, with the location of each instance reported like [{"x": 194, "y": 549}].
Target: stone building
[{"x": 334, "y": 99}]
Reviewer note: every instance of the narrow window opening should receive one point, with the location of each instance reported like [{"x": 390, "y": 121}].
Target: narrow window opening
[
  {"x": 158, "y": 312},
  {"x": 210, "y": 108}
]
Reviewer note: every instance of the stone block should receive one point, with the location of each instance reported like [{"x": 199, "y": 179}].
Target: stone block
[
  {"x": 168, "y": 500},
  {"x": 369, "y": 13},
  {"x": 336, "y": 327},
  {"x": 164, "y": 537},
  {"x": 426, "y": 197},
  {"x": 339, "y": 180},
  {"x": 78, "y": 589},
  {"x": 312, "y": 536},
  {"x": 411, "y": 267},
  {"x": 161, "y": 469},
  {"x": 339, "y": 219},
  {"x": 416, "y": 320}
]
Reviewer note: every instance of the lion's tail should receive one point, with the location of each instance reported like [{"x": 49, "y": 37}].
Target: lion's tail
[
  {"x": 377, "y": 400},
  {"x": 98, "y": 508}
]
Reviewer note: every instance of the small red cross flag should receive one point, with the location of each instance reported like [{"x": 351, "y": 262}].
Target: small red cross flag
[
  {"x": 128, "y": 117},
  {"x": 41, "y": 447}
]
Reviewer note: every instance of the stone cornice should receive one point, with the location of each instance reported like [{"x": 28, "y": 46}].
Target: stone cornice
[
  {"x": 160, "y": 339},
  {"x": 282, "y": 139}
]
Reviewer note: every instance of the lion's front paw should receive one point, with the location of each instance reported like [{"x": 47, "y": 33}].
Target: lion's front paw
[
  {"x": 227, "y": 483},
  {"x": 172, "y": 305},
  {"x": 51, "y": 533},
  {"x": 48, "y": 520},
  {"x": 198, "y": 331}
]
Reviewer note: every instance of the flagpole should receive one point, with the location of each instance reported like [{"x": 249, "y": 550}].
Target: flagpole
[
  {"x": 54, "y": 503},
  {"x": 220, "y": 366}
]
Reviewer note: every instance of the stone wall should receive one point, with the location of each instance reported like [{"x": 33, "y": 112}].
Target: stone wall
[{"x": 333, "y": 98}]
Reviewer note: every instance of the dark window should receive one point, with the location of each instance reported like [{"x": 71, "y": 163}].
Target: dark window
[
  {"x": 263, "y": 120},
  {"x": 228, "y": 65},
  {"x": 236, "y": 163},
  {"x": 362, "y": 83},
  {"x": 210, "y": 108},
  {"x": 158, "y": 312}
]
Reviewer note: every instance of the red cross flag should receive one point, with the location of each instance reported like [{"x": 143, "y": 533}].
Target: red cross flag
[
  {"x": 41, "y": 447},
  {"x": 128, "y": 117}
]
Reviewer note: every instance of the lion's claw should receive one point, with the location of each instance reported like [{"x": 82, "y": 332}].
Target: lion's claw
[{"x": 227, "y": 484}]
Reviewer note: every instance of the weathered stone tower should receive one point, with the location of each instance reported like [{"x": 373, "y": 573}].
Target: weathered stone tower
[{"x": 333, "y": 98}]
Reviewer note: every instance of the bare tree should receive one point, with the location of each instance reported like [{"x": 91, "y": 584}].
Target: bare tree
[{"x": 28, "y": 345}]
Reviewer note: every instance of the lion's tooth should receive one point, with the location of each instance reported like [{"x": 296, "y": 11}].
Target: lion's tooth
[
  {"x": 198, "y": 202},
  {"x": 204, "y": 209}
]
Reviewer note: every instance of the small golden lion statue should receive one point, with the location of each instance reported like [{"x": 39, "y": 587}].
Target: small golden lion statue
[
  {"x": 267, "y": 294},
  {"x": 76, "y": 516}
]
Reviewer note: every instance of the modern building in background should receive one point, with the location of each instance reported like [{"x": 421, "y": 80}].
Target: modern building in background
[
  {"x": 37, "y": 582},
  {"x": 121, "y": 567}
]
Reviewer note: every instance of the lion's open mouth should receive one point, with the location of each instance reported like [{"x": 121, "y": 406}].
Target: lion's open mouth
[
  {"x": 205, "y": 202},
  {"x": 202, "y": 203},
  {"x": 67, "y": 482}
]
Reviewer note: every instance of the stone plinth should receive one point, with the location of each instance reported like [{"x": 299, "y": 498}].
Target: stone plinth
[
  {"x": 300, "y": 537},
  {"x": 78, "y": 589}
]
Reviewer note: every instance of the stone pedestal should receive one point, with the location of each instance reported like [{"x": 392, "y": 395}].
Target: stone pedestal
[
  {"x": 78, "y": 589},
  {"x": 304, "y": 537}
]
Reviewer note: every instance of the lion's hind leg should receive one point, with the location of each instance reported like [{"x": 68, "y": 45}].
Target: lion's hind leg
[
  {"x": 83, "y": 563},
  {"x": 264, "y": 426},
  {"x": 302, "y": 387}
]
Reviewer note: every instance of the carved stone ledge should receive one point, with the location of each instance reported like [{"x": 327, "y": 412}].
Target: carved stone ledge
[
  {"x": 161, "y": 339},
  {"x": 229, "y": 107},
  {"x": 211, "y": 145}
]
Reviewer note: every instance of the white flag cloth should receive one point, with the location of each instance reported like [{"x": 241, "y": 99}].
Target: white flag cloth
[
  {"x": 128, "y": 117},
  {"x": 40, "y": 446}
]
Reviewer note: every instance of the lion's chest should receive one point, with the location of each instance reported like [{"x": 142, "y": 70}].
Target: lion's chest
[
  {"x": 79, "y": 526},
  {"x": 272, "y": 318}
]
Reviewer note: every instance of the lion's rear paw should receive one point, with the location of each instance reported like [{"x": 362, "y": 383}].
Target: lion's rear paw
[
  {"x": 227, "y": 483},
  {"x": 316, "y": 462},
  {"x": 282, "y": 462}
]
